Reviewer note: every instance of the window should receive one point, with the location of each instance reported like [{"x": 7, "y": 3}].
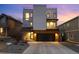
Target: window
[
  {"x": 48, "y": 15},
  {"x": 54, "y": 24},
  {"x": 27, "y": 16},
  {"x": 48, "y": 24},
  {"x": 54, "y": 15},
  {"x": 31, "y": 23},
  {"x": 26, "y": 19},
  {"x": 51, "y": 25},
  {"x": 31, "y": 15},
  {"x": 67, "y": 24}
]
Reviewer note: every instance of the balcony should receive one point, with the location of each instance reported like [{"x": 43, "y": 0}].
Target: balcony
[{"x": 52, "y": 19}]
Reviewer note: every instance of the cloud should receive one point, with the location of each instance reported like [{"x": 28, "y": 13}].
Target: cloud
[
  {"x": 67, "y": 16},
  {"x": 67, "y": 12}
]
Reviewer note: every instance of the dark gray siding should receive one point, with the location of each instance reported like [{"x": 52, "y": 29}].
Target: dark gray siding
[{"x": 71, "y": 28}]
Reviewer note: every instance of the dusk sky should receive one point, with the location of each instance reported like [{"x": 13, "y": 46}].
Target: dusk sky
[{"x": 65, "y": 11}]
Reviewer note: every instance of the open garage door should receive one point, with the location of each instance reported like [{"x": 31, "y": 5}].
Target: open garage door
[{"x": 45, "y": 37}]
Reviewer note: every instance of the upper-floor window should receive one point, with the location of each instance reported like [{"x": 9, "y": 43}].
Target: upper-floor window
[
  {"x": 27, "y": 16},
  {"x": 68, "y": 24},
  {"x": 48, "y": 24},
  {"x": 31, "y": 23},
  {"x": 54, "y": 15},
  {"x": 51, "y": 25},
  {"x": 48, "y": 15},
  {"x": 30, "y": 14}
]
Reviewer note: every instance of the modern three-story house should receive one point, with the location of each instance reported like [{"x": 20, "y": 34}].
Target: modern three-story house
[{"x": 40, "y": 24}]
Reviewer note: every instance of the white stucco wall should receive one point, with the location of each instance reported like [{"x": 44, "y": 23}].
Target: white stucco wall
[{"x": 39, "y": 17}]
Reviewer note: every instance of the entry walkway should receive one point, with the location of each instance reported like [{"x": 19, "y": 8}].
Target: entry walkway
[{"x": 47, "y": 48}]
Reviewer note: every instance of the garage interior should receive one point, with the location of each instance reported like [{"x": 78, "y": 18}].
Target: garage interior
[{"x": 45, "y": 37}]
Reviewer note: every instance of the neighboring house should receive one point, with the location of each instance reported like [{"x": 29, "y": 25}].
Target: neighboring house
[
  {"x": 40, "y": 24},
  {"x": 10, "y": 27},
  {"x": 71, "y": 29}
]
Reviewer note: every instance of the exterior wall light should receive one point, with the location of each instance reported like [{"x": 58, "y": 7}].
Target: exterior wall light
[{"x": 1, "y": 30}]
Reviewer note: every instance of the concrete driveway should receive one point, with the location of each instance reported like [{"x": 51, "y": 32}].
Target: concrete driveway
[{"x": 47, "y": 48}]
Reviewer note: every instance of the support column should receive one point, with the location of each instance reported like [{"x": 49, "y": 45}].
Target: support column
[{"x": 6, "y": 32}]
